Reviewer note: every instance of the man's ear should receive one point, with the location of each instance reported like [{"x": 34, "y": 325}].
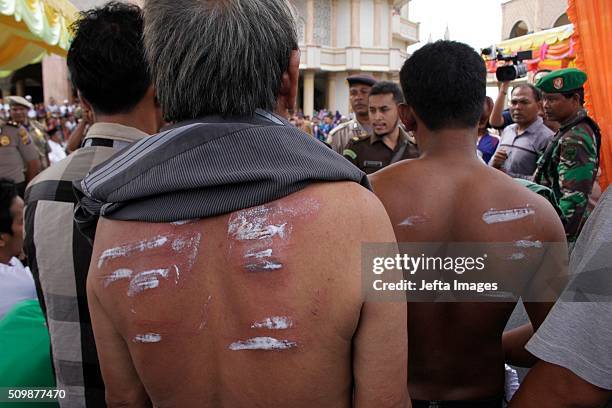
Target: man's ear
[
  {"x": 486, "y": 113},
  {"x": 2, "y": 241},
  {"x": 406, "y": 114},
  {"x": 287, "y": 93}
]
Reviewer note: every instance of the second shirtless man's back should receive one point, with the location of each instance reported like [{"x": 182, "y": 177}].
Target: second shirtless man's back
[
  {"x": 247, "y": 304},
  {"x": 450, "y": 195}
]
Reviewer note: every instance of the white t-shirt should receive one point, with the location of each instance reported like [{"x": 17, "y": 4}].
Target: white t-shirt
[
  {"x": 56, "y": 152},
  {"x": 16, "y": 285}
]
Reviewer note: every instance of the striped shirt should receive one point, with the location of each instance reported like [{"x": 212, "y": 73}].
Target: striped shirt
[{"x": 59, "y": 258}]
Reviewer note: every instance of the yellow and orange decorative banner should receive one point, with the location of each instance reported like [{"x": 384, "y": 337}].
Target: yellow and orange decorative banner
[
  {"x": 550, "y": 49},
  {"x": 30, "y": 29}
]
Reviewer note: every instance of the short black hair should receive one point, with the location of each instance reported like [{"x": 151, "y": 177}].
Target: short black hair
[
  {"x": 537, "y": 94},
  {"x": 8, "y": 193},
  {"x": 579, "y": 92},
  {"x": 388, "y": 87},
  {"x": 106, "y": 58},
  {"x": 445, "y": 83}
]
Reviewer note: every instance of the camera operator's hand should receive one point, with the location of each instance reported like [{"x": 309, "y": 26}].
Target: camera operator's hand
[
  {"x": 496, "y": 119},
  {"x": 503, "y": 87},
  {"x": 499, "y": 159}
]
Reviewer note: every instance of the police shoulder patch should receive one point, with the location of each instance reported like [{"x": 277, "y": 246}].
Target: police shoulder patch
[
  {"x": 570, "y": 152},
  {"x": 25, "y": 138},
  {"x": 349, "y": 153},
  {"x": 4, "y": 140}
]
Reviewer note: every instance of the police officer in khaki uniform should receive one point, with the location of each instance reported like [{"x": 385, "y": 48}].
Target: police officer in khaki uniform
[
  {"x": 359, "y": 90},
  {"x": 36, "y": 130},
  {"x": 17, "y": 152},
  {"x": 389, "y": 143}
]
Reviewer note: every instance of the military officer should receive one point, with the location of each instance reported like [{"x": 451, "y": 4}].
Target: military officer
[
  {"x": 389, "y": 142},
  {"x": 359, "y": 89},
  {"x": 36, "y": 130},
  {"x": 17, "y": 153},
  {"x": 570, "y": 162}
]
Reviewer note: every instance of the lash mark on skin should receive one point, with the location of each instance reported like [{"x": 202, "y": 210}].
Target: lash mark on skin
[
  {"x": 147, "y": 338},
  {"x": 516, "y": 256},
  {"x": 262, "y": 343},
  {"x": 146, "y": 280},
  {"x": 205, "y": 313},
  {"x": 182, "y": 222},
  {"x": 496, "y": 216},
  {"x": 118, "y": 275},
  {"x": 263, "y": 266},
  {"x": 259, "y": 254},
  {"x": 274, "y": 323},
  {"x": 523, "y": 243},
  {"x": 413, "y": 220},
  {"x": 128, "y": 249}
]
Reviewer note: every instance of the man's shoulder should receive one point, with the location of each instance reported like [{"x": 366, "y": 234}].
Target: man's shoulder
[
  {"x": 55, "y": 182},
  {"x": 342, "y": 127},
  {"x": 355, "y": 146},
  {"x": 580, "y": 131},
  {"x": 13, "y": 129},
  {"x": 544, "y": 130}
]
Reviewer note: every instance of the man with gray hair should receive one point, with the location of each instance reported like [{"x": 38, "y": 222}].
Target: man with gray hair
[{"x": 209, "y": 285}]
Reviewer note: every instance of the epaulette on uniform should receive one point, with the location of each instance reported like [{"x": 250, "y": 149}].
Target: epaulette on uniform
[{"x": 339, "y": 127}]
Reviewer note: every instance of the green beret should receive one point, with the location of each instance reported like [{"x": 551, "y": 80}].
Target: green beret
[{"x": 561, "y": 81}]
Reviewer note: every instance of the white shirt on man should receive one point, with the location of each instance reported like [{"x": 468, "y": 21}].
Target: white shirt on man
[{"x": 16, "y": 285}]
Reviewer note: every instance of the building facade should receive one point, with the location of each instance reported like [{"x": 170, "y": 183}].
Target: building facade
[
  {"x": 339, "y": 38},
  {"x": 520, "y": 17}
]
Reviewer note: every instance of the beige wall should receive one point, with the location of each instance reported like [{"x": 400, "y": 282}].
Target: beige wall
[{"x": 537, "y": 14}]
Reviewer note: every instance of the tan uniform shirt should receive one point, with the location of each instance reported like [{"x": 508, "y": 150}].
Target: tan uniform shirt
[
  {"x": 341, "y": 135},
  {"x": 38, "y": 135},
  {"x": 16, "y": 150}
]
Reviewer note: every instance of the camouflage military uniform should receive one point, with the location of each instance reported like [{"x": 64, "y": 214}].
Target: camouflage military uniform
[
  {"x": 569, "y": 167},
  {"x": 340, "y": 136}
]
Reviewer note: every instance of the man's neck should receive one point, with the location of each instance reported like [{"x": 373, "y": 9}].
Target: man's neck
[
  {"x": 455, "y": 144},
  {"x": 364, "y": 120},
  {"x": 522, "y": 128},
  {"x": 391, "y": 139},
  {"x": 5, "y": 258},
  {"x": 135, "y": 120},
  {"x": 570, "y": 118}
]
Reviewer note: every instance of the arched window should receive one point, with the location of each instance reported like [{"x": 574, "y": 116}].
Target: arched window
[
  {"x": 562, "y": 20},
  {"x": 520, "y": 28}
]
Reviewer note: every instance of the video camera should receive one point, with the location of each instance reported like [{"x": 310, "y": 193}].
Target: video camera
[{"x": 506, "y": 73}]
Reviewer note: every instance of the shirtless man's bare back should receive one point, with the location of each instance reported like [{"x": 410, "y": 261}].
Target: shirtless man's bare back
[
  {"x": 455, "y": 348},
  {"x": 259, "y": 307},
  {"x": 248, "y": 309}
]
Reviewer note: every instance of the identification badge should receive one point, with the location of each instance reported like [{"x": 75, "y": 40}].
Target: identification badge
[{"x": 373, "y": 164}]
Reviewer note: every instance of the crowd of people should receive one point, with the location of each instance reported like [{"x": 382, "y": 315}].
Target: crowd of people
[{"x": 203, "y": 245}]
